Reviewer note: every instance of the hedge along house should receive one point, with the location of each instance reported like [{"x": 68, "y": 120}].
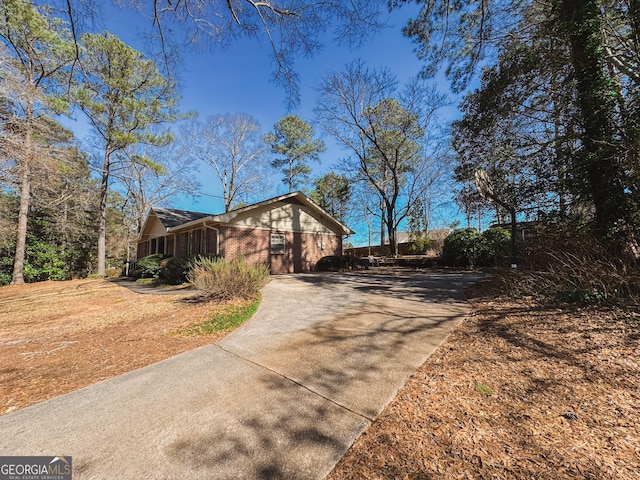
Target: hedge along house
[{"x": 289, "y": 233}]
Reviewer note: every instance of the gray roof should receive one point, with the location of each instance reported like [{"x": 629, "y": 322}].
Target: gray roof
[
  {"x": 293, "y": 197},
  {"x": 171, "y": 217},
  {"x": 174, "y": 220}
]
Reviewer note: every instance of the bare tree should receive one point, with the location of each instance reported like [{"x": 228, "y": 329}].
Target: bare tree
[
  {"x": 171, "y": 172},
  {"x": 386, "y": 136},
  {"x": 290, "y": 29},
  {"x": 232, "y": 145}
]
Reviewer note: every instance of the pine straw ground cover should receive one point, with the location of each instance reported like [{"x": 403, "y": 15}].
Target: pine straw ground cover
[
  {"x": 520, "y": 390},
  {"x": 56, "y": 337}
]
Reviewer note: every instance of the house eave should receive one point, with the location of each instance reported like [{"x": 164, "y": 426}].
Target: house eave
[{"x": 228, "y": 217}]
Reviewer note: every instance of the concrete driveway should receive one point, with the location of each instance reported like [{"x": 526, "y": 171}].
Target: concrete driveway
[{"x": 283, "y": 397}]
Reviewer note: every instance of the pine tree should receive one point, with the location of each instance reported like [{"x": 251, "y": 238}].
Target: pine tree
[{"x": 123, "y": 95}]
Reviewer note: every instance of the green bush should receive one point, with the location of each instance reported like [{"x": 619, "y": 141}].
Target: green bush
[
  {"x": 43, "y": 262},
  {"x": 228, "y": 279},
  {"x": 420, "y": 244},
  {"x": 494, "y": 248},
  {"x": 175, "y": 270},
  {"x": 330, "y": 262},
  {"x": 6, "y": 270},
  {"x": 467, "y": 248},
  {"x": 149, "y": 266},
  {"x": 460, "y": 248}
]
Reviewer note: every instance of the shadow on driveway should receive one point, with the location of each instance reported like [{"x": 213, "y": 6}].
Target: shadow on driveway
[{"x": 284, "y": 396}]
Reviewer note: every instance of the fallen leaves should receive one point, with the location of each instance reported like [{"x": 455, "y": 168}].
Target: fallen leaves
[
  {"x": 56, "y": 337},
  {"x": 519, "y": 390}
]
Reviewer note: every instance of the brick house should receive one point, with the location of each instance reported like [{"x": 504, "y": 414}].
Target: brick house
[{"x": 289, "y": 233}]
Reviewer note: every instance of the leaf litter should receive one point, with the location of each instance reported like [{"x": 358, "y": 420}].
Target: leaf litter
[
  {"x": 520, "y": 390},
  {"x": 56, "y": 337}
]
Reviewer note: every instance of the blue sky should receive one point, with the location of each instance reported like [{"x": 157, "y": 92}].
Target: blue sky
[{"x": 239, "y": 79}]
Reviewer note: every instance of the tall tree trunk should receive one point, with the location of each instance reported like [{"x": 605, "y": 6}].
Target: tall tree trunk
[
  {"x": 17, "y": 277},
  {"x": 391, "y": 230},
  {"x": 102, "y": 212},
  {"x": 514, "y": 233},
  {"x": 23, "y": 214},
  {"x": 290, "y": 175},
  {"x": 560, "y": 166},
  {"x": 599, "y": 163},
  {"x": 382, "y": 223}
]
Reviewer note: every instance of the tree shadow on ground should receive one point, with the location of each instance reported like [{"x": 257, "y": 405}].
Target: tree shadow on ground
[
  {"x": 427, "y": 285},
  {"x": 324, "y": 383}
]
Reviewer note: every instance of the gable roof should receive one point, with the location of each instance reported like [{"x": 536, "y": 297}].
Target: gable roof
[
  {"x": 178, "y": 219},
  {"x": 171, "y": 217},
  {"x": 293, "y": 197}
]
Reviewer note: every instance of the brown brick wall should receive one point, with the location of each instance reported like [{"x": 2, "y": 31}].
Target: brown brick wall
[
  {"x": 301, "y": 249},
  {"x": 253, "y": 245}
]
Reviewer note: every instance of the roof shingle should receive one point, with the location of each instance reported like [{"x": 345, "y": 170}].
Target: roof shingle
[{"x": 171, "y": 217}]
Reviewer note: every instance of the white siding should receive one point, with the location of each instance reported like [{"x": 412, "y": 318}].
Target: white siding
[{"x": 154, "y": 228}]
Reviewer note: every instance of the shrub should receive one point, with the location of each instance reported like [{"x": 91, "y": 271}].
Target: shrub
[
  {"x": 6, "y": 270},
  {"x": 340, "y": 262},
  {"x": 330, "y": 262},
  {"x": 175, "y": 270},
  {"x": 460, "y": 248},
  {"x": 420, "y": 244},
  {"x": 467, "y": 248},
  {"x": 149, "y": 266},
  {"x": 228, "y": 279},
  {"x": 43, "y": 262},
  {"x": 494, "y": 248}
]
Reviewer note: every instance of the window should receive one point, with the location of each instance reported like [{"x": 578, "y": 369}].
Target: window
[{"x": 277, "y": 243}]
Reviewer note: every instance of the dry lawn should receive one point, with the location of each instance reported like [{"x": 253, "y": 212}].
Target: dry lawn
[
  {"x": 56, "y": 337},
  {"x": 519, "y": 391}
]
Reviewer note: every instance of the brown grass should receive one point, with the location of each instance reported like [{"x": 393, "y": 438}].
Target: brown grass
[
  {"x": 56, "y": 337},
  {"x": 565, "y": 401}
]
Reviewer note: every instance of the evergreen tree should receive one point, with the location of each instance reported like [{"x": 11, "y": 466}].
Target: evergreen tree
[
  {"x": 294, "y": 146},
  {"x": 332, "y": 192},
  {"x": 123, "y": 95},
  {"x": 36, "y": 52}
]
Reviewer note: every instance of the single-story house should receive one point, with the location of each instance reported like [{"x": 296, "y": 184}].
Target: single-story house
[{"x": 289, "y": 233}]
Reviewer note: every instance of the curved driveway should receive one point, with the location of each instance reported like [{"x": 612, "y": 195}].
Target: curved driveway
[{"x": 284, "y": 396}]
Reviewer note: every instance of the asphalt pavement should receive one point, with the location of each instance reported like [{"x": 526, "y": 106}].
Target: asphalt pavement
[{"x": 282, "y": 397}]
